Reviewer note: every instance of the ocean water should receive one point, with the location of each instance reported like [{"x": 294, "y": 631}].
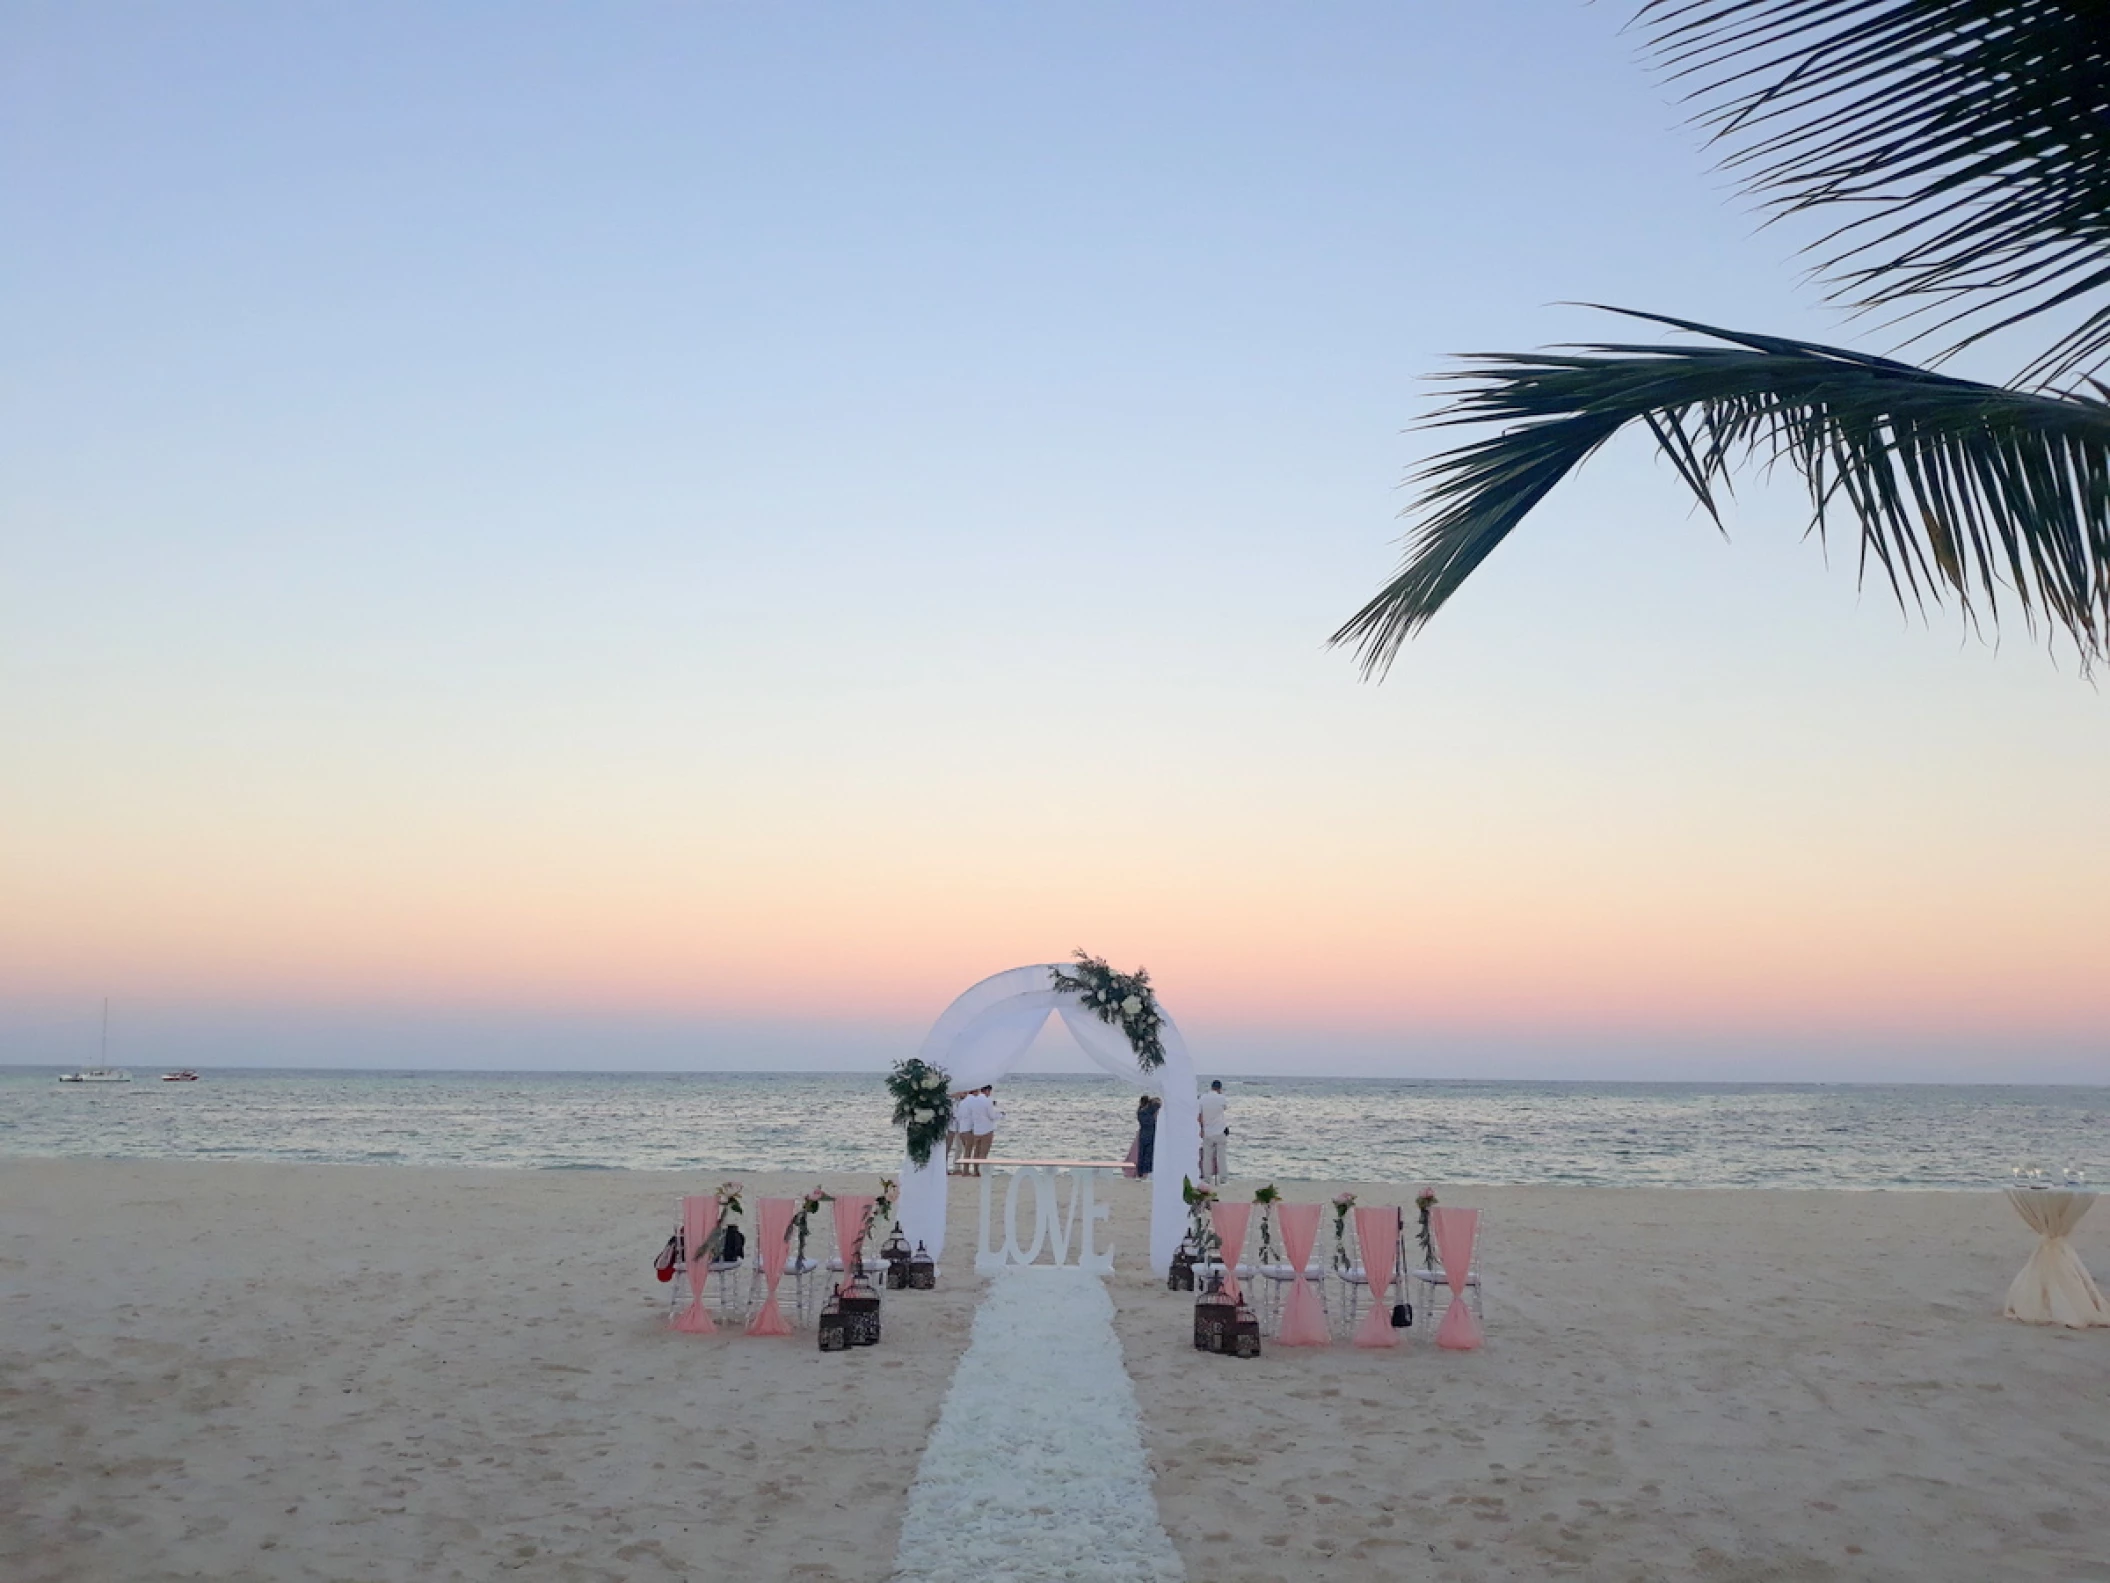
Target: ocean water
[{"x": 1606, "y": 1134}]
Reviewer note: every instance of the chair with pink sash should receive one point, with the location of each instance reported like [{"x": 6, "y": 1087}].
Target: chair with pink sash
[
  {"x": 1229, "y": 1222},
  {"x": 1303, "y": 1321},
  {"x": 852, "y": 1211},
  {"x": 1455, "y": 1231},
  {"x": 1377, "y": 1245},
  {"x": 772, "y": 1221},
  {"x": 699, "y": 1219}
]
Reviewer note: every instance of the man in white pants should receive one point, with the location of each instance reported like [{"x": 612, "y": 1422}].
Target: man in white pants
[{"x": 1216, "y": 1132}]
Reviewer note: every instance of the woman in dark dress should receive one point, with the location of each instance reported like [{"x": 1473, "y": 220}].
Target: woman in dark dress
[{"x": 1146, "y": 1133}]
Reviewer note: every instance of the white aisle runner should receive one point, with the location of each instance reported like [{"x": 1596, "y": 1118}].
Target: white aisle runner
[{"x": 1036, "y": 1470}]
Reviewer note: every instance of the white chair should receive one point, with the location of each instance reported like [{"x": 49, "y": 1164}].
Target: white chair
[
  {"x": 799, "y": 1272},
  {"x": 1279, "y": 1278},
  {"x": 1427, "y": 1283}
]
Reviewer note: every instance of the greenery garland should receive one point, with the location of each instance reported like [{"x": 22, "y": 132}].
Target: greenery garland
[
  {"x": 922, "y": 1104},
  {"x": 1122, "y": 1000}
]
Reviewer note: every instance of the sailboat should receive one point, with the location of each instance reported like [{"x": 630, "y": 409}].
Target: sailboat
[{"x": 103, "y": 1071}]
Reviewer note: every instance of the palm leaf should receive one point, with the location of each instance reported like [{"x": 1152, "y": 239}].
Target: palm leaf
[
  {"x": 1966, "y": 142},
  {"x": 1960, "y": 490}
]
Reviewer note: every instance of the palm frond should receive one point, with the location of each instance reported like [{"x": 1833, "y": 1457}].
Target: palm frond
[
  {"x": 1961, "y": 490},
  {"x": 1966, "y": 142}
]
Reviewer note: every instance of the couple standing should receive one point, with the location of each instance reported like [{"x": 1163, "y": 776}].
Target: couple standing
[
  {"x": 1216, "y": 1136},
  {"x": 974, "y": 1119}
]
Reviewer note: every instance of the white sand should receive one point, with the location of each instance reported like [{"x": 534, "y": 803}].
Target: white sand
[{"x": 252, "y": 1371}]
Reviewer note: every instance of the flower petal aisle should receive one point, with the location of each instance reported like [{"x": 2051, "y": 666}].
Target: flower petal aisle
[{"x": 1036, "y": 1467}]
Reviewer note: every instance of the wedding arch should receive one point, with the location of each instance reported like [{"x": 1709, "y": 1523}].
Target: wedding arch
[{"x": 987, "y": 1031}]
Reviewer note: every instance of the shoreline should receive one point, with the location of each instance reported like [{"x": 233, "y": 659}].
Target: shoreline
[{"x": 824, "y": 1172}]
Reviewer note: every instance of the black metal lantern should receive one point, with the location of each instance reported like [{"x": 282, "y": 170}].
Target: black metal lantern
[
  {"x": 1222, "y": 1325},
  {"x": 895, "y": 1252},
  {"x": 922, "y": 1271},
  {"x": 859, "y": 1305},
  {"x": 1181, "y": 1276},
  {"x": 834, "y": 1336}
]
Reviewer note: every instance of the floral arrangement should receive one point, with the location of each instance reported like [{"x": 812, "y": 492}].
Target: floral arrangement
[
  {"x": 922, "y": 1104},
  {"x": 1201, "y": 1230},
  {"x": 728, "y": 1196},
  {"x": 883, "y": 1206},
  {"x": 1425, "y": 1200},
  {"x": 809, "y": 1206},
  {"x": 1267, "y": 1198},
  {"x": 1342, "y": 1203},
  {"x": 1123, "y": 1000}
]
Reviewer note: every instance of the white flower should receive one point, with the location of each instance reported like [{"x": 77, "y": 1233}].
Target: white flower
[
  {"x": 923, "y": 1116},
  {"x": 934, "y": 1081},
  {"x": 1132, "y": 1005}
]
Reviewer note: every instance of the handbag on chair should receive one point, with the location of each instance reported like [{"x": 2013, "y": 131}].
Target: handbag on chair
[{"x": 1402, "y": 1312}]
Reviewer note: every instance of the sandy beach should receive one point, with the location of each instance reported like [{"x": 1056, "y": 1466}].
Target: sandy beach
[{"x": 252, "y": 1371}]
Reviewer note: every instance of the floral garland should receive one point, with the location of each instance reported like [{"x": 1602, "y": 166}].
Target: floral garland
[
  {"x": 1267, "y": 1198},
  {"x": 922, "y": 1104},
  {"x": 1122, "y": 1000},
  {"x": 1425, "y": 1200},
  {"x": 728, "y": 1196},
  {"x": 809, "y": 1206},
  {"x": 1201, "y": 1230},
  {"x": 1342, "y": 1203}
]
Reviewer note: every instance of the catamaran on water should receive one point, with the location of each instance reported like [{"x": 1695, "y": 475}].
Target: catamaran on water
[{"x": 102, "y": 1071}]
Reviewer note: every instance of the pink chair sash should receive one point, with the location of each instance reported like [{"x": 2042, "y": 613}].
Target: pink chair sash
[
  {"x": 1377, "y": 1240},
  {"x": 850, "y": 1212},
  {"x": 699, "y": 1218},
  {"x": 1455, "y": 1231},
  {"x": 772, "y": 1221},
  {"x": 1304, "y": 1317},
  {"x": 1230, "y": 1221}
]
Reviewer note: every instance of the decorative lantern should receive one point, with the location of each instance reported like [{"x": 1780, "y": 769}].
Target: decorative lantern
[
  {"x": 895, "y": 1252},
  {"x": 1222, "y": 1326},
  {"x": 859, "y": 1306},
  {"x": 922, "y": 1271},
  {"x": 834, "y": 1337},
  {"x": 1181, "y": 1276}
]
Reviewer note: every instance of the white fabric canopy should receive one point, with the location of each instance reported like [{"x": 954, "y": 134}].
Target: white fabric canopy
[{"x": 987, "y": 1031}]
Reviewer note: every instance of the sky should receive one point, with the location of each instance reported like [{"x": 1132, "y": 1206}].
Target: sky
[{"x": 685, "y": 535}]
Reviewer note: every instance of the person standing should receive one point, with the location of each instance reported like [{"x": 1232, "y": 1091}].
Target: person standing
[
  {"x": 1216, "y": 1134},
  {"x": 1147, "y": 1109},
  {"x": 956, "y": 1136},
  {"x": 980, "y": 1126}
]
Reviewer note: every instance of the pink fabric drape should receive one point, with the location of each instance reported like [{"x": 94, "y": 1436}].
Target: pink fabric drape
[
  {"x": 1377, "y": 1240},
  {"x": 699, "y": 1218},
  {"x": 1304, "y": 1317},
  {"x": 850, "y": 1212},
  {"x": 1230, "y": 1221},
  {"x": 1455, "y": 1231},
  {"x": 772, "y": 1221}
]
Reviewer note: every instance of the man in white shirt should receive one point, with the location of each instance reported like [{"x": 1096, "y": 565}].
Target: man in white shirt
[
  {"x": 1216, "y": 1132},
  {"x": 979, "y": 1123}
]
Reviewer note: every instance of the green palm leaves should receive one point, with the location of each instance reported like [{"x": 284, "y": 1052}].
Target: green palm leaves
[{"x": 1968, "y": 144}]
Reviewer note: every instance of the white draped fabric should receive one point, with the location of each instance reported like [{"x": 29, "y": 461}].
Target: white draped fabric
[
  {"x": 2054, "y": 1288},
  {"x": 987, "y": 1031}
]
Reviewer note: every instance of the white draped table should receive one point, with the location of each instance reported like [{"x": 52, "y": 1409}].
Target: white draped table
[{"x": 2054, "y": 1288}]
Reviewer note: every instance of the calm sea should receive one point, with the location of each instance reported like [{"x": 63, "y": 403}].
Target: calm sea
[{"x": 1611, "y": 1134}]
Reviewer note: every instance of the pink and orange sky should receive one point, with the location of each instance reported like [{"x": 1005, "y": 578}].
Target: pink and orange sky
[{"x": 687, "y": 538}]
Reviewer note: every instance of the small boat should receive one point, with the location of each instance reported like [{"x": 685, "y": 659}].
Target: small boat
[
  {"x": 184, "y": 1076},
  {"x": 104, "y": 1072}
]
